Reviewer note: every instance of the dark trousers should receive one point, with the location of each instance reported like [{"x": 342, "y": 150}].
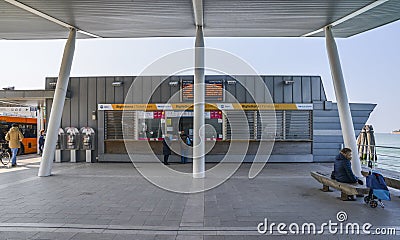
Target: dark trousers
[{"x": 166, "y": 158}]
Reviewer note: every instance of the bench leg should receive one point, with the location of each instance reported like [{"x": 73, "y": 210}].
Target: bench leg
[
  {"x": 325, "y": 188},
  {"x": 346, "y": 197}
]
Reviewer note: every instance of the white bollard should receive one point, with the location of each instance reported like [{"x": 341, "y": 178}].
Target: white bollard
[
  {"x": 88, "y": 156},
  {"x": 73, "y": 156},
  {"x": 58, "y": 156}
]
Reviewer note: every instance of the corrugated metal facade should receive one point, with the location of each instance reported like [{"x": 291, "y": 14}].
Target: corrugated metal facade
[{"x": 88, "y": 92}]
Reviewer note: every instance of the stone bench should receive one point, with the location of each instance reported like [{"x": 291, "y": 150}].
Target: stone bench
[{"x": 348, "y": 190}]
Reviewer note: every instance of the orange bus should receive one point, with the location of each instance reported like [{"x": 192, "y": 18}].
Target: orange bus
[{"x": 28, "y": 127}]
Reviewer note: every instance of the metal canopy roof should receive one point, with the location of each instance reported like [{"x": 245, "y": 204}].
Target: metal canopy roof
[
  {"x": 175, "y": 18},
  {"x": 27, "y": 97}
]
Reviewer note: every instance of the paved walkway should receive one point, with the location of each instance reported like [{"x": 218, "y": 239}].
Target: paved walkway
[{"x": 113, "y": 201}]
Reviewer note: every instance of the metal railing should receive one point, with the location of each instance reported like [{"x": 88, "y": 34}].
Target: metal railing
[{"x": 376, "y": 152}]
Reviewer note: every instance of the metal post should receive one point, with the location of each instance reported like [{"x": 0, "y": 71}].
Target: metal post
[
  {"x": 42, "y": 117},
  {"x": 38, "y": 128},
  {"x": 346, "y": 120},
  {"x": 199, "y": 100},
  {"x": 57, "y": 107}
]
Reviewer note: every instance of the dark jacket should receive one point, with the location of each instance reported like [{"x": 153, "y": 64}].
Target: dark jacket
[
  {"x": 41, "y": 140},
  {"x": 165, "y": 148},
  {"x": 342, "y": 169}
]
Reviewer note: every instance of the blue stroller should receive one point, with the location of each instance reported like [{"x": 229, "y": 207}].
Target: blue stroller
[{"x": 377, "y": 190}]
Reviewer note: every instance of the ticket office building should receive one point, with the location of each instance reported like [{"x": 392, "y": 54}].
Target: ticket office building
[{"x": 141, "y": 110}]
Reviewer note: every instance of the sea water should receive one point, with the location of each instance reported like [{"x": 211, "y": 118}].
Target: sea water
[{"x": 388, "y": 158}]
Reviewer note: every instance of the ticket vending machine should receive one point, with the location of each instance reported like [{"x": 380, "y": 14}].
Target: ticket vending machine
[
  {"x": 60, "y": 145},
  {"x": 72, "y": 141},
  {"x": 87, "y": 142}
]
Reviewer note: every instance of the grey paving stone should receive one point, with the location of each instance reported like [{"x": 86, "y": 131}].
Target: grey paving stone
[
  {"x": 51, "y": 236},
  {"x": 116, "y": 194},
  {"x": 214, "y": 237},
  {"x": 165, "y": 237},
  {"x": 188, "y": 237},
  {"x": 93, "y": 236},
  {"x": 16, "y": 235},
  {"x": 134, "y": 237}
]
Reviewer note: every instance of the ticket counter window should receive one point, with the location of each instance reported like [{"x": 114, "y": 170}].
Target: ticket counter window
[
  {"x": 149, "y": 125},
  {"x": 149, "y": 128},
  {"x": 184, "y": 122}
]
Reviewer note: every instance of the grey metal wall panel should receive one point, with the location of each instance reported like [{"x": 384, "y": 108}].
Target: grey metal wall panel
[
  {"x": 49, "y": 103},
  {"x": 165, "y": 91},
  {"x": 297, "y": 95},
  {"x": 127, "y": 85},
  {"x": 318, "y": 105},
  {"x": 83, "y": 102},
  {"x": 324, "y": 158},
  {"x": 259, "y": 89},
  {"x": 118, "y": 91},
  {"x": 156, "y": 89},
  {"x": 334, "y": 113},
  {"x": 250, "y": 89},
  {"x": 75, "y": 102},
  {"x": 325, "y": 152},
  {"x": 316, "y": 88},
  {"x": 240, "y": 93},
  {"x": 336, "y": 119},
  {"x": 323, "y": 94},
  {"x": 66, "y": 156},
  {"x": 137, "y": 90},
  {"x": 100, "y": 130},
  {"x": 66, "y": 122},
  {"x": 92, "y": 106},
  {"x": 82, "y": 109},
  {"x": 101, "y": 90},
  {"x": 306, "y": 89},
  {"x": 101, "y": 98},
  {"x": 327, "y": 139},
  {"x": 175, "y": 93},
  {"x": 269, "y": 82},
  {"x": 361, "y": 106},
  {"x": 230, "y": 90},
  {"x": 326, "y": 145},
  {"x": 146, "y": 89},
  {"x": 287, "y": 90},
  {"x": 326, "y": 125},
  {"x": 278, "y": 89},
  {"x": 336, "y": 125},
  {"x": 66, "y": 116},
  {"x": 109, "y": 90}
]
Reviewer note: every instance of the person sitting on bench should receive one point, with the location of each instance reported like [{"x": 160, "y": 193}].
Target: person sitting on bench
[{"x": 342, "y": 169}]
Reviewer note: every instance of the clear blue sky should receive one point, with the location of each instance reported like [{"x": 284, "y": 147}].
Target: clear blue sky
[{"x": 369, "y": 61}]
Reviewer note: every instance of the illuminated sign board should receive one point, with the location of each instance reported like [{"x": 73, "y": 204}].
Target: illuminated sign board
[{"x": 214, "y": 90}]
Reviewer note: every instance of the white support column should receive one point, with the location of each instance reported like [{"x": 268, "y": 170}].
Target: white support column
[
  {"x": 38, "y": 127},
  {"x": 199, "y": 102},
  {"x": 346, "y": 121},
  {"x": 42, "y": 117},
  {"x": 57, "y": 107}
]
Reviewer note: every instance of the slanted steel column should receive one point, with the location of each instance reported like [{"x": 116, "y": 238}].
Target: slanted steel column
[
  {"x": 57, "y": 107},
  {"x": 346, "y": 121},
  {"x": 199, "y": 102}
]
